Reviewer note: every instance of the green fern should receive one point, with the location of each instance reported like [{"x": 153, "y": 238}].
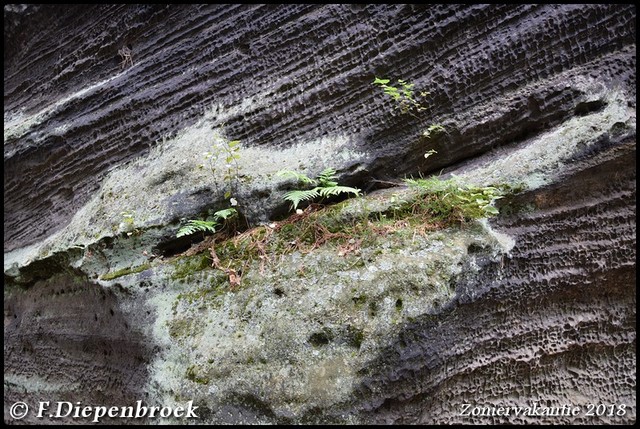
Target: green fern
[
  {"x": 195, "y": 226},
  {"x": 325, "y": 186},
  {"x": 225, "y": 213},
  {"x": 337, "y": 190},
  {"x": 206, "y": 226},
  {"x": 326, "y": 178},
  {"x": 297, "y": 176},
  {"x": 296, "y": 197}
]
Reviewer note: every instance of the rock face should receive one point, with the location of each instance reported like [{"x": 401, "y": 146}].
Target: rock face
[{"x": 108, "y": 110}]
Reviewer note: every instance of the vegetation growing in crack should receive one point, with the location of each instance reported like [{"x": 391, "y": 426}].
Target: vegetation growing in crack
[
  {"x": 406, "y": 102},
  {"x": 454, "y": 199},
  {"x": 433, "y": 204},
  {"x": 324, "y": 186},
  {"x": 403, "y": 95},
  {"x": 428, "y": 205},
  {"x": 219, "y": 219},
  {"x": 228, "y": 153},
  {"x": 431, "y": 131},
  {"x": 125, "y": 271}
]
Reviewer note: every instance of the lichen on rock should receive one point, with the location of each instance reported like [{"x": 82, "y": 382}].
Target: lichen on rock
[
  {"x": 352, "y": 314},
  {"x": 296, "y": 335}
]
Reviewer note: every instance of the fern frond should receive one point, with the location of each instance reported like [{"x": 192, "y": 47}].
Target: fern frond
[
  {"x": 225, "y": 214},
  {"x": 297, "y": 196},
  {"x": 302, "y": 178},
  {"x": 337, "y": 190},
  {"x": 195, "y": 226},
  {"x": 326, "y": 178}
]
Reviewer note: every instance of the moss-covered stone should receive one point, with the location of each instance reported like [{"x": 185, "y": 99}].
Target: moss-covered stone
[
  {"x": 125, "y": 272},
  {"x": 193, "y": 374},
  {"x": 182, "y": 328},
  {"x": 303, "y": 321},
  {"x": 186, "y": 266}
]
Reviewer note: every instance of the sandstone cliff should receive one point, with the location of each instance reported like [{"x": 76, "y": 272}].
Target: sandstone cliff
[{"x": 108, "y": 111}]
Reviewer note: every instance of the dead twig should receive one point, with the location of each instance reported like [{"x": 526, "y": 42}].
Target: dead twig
[
  {"x": 234, "y": 278},
  {"x": 127, "y": 57}
]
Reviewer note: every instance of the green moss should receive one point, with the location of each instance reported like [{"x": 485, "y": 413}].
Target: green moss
[
  {"x": 184, "y": 328},
  {"x": 125, "y": 271},
  {"x": 193, "y": 374},
  {"x": 206, "y": 294},
  {"x": 355, "y": 337},
  {"x": 359, "y": 301},
  {"x": 428, "y": 205},
  {"x": 186, "y": 266}
]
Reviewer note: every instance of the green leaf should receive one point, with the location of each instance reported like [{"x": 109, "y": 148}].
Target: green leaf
[
  {"x": 327, "y": 174},
  {"x": 225, "y": 213},
  {"x": 297, "y": 196},
  {"x": 234, "y": 143},
  {"x": 378, "y": 81},
  {"x": 337, "y": 190},
  {"x": 491, "y": 210},
  {"x": 195, "y": 226},
  {"x": 295, "y": 175}
]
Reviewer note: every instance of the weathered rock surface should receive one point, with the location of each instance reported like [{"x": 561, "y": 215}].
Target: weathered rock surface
[
  {"x": 543, "y": 324},
  {"x": 539, "y": 308}
]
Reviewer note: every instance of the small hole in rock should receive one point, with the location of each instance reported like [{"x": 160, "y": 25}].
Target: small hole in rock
[{"x": 318, "y": 339}]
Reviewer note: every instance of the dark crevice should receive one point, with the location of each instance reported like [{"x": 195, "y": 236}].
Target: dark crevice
[
  {"x": 322, "y": 338},
  {"x": 589, "y": 107}
]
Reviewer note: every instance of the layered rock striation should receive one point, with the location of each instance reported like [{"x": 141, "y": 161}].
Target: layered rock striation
[{"x": 108, "y": 111}]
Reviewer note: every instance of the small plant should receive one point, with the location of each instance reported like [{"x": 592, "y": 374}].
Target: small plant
[
  {"x": 323, "y": 186},
  {"x": 406, "y": 102},
  {"x": 403, "y": 95},
  {"x": 219, "y": 218},
  {"x": 229, "y": 153},
  {"x": 429, "y": 153},
  {"x": 127, "y": 223},
  {"x": 451, "y": 198},
  {"x": 127, "y": 218},
  {"x": 433, "y": 129}
]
